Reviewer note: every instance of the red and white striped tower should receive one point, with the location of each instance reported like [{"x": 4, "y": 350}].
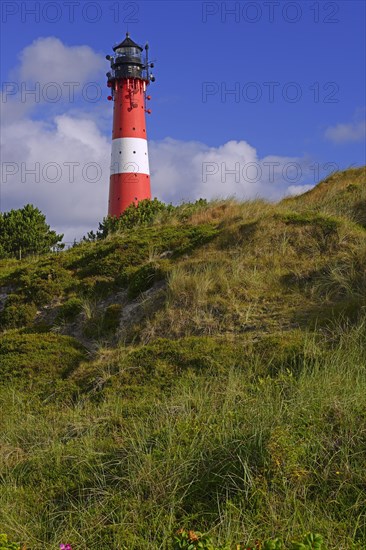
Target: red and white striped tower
[{"x": 128, "y": 80}]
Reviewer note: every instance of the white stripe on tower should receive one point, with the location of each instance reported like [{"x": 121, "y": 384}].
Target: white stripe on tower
[{"x": 129, "y": 154}]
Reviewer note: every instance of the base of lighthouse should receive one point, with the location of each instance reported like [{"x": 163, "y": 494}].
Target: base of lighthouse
[{"x": 126, "y": 189}]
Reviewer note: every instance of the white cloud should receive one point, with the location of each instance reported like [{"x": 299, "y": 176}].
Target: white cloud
[
  {"x": 62, "y": 133},
  {"x": 49, "y": 60},
  {"x": 343, "y": 133},
  {"x": 52, "y": 75},
  {"x": 190, "y": 170},
  {"x": 72, "y": 195},
  {"x": 294, "y": 190}
]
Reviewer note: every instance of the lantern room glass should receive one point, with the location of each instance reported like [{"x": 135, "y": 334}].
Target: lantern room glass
[{"x": 128, "y": 51}]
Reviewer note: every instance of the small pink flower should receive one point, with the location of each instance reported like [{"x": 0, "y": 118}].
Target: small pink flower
[{"x": 65, "y": 547}]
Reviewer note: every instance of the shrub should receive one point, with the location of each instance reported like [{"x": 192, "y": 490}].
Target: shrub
[
  {"x": 290, "y": 352},
  {"x": 162, "y": 360},
  {"x": 41, "y": 357},
  {"x": 111, "y": 318},
  {"x": 97, "y": 286},
  {"x": 43, "y": 281},
  {"x": 325, "y": 222},
  {"x": 143, "y": 278},
  {"x": 103, "y": 324},
  {"x": 114, "y": 259},
  {"x": 141, "y": 214},
  {"x": 17, "y": 314},
  {"x": 6, "y": 544},
  {"x": 189, "y": 540},
  {"x": 146, "y": 212},
  {"x": 70, "y": 309}
]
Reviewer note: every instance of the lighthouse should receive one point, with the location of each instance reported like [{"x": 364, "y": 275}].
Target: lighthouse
[{"x": 128, "y": 81}]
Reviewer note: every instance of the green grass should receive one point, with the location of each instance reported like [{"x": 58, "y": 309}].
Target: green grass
[
  {"x": 340, "y": 194},
  {"x": 169, "y": 440},
  {"x": 39, "y": 362},
  {"x": 233, "y": 403}
]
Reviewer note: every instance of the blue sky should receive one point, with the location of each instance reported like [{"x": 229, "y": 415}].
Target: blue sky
[{"x": 295, "y": 70}]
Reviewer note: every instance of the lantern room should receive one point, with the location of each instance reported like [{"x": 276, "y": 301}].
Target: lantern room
[{"x": 127, "y": 62}]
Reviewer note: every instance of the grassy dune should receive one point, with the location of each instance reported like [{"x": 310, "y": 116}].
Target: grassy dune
[{"x": 204, "y": 371}]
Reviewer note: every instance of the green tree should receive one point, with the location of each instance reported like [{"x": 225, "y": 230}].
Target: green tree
[{"x": 25, "y": 231}]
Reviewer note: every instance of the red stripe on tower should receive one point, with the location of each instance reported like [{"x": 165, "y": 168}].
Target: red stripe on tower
[{"x": 130, "y": 174}]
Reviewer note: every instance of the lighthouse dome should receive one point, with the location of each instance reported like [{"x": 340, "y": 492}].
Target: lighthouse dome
[{"x": 128, "y": 47}]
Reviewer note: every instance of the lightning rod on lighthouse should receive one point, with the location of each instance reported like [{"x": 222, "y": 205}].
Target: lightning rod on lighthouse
[{"x": 128, "y": 81}]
